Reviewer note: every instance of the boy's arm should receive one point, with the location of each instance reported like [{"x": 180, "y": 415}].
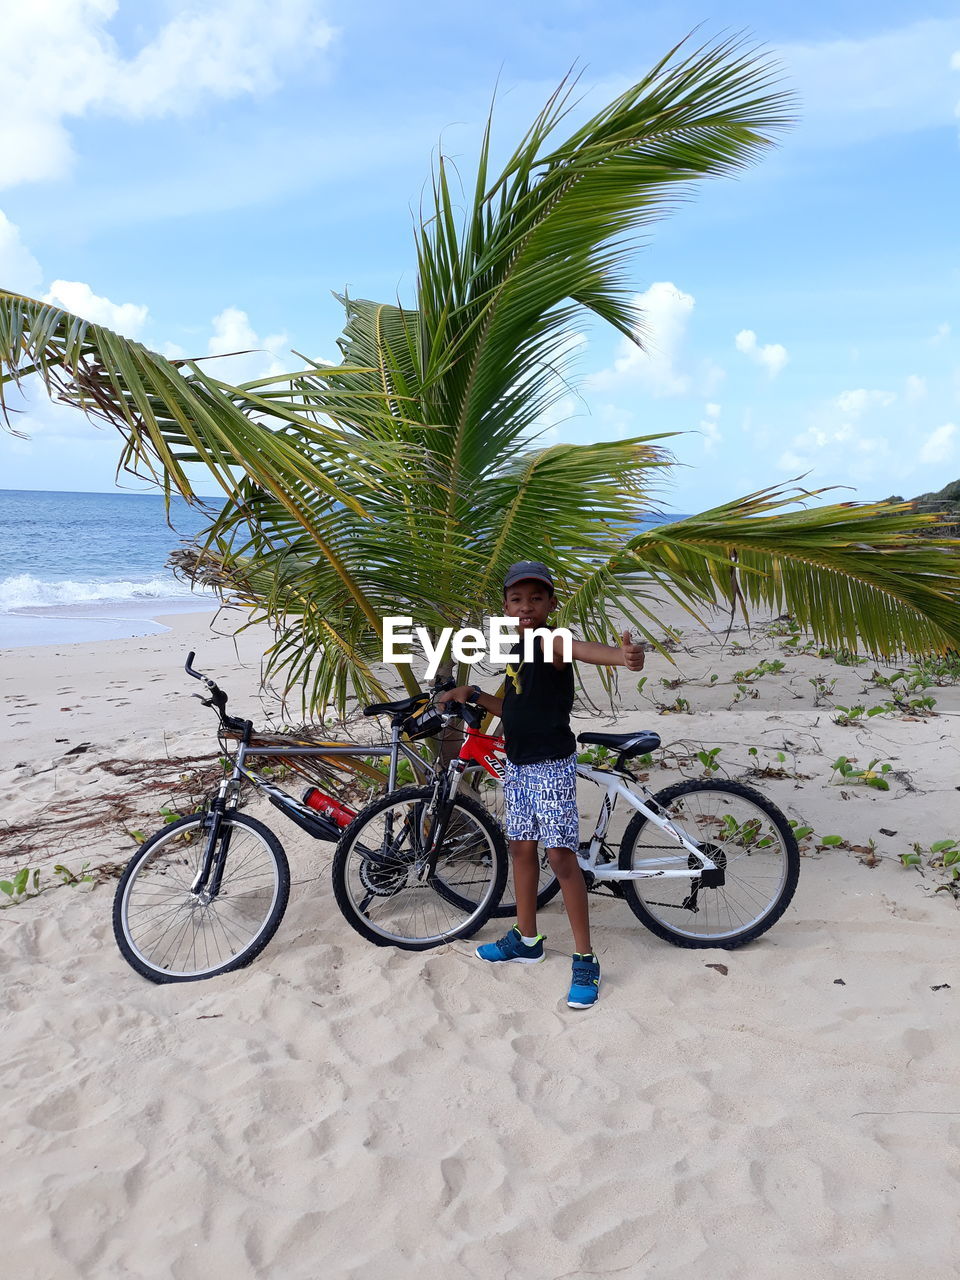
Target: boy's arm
[{"x": 627, "y": 655}]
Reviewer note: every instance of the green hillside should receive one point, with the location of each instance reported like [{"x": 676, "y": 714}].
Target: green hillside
[{"x": 946, "y": 500}]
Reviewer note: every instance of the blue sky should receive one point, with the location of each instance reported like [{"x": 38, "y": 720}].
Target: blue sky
[{"x": 203, "y": 175}]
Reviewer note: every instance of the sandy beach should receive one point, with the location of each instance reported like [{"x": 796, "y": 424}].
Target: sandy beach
[{"x": 343, "y": 1110}]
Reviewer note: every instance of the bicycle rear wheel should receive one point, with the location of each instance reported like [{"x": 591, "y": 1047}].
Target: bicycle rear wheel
[
  {"x": 170, "y": 934},
  {"x": 384, "y": 888},
  {"x": 747, "y": 837}
]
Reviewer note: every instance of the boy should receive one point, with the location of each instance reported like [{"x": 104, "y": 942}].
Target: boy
[{"x": 541, "y": 780}]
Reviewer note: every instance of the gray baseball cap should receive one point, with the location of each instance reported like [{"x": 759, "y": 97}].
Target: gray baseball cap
[{"x": 525, "y": 569}]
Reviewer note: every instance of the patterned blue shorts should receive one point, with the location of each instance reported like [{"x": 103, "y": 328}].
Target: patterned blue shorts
[{"x": 541, "y": 801}]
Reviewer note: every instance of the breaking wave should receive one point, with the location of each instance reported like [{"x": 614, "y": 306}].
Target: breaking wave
[{"x": 23, "y": 591}]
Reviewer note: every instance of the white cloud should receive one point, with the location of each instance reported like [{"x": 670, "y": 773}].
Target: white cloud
[
  {"x": 793, "y": 462},
  {"x": 773, "y": 356},
  {"x": 61, "y": 61},
  {"x": 666, "y": 311},
  {"x": 939, "y": 444},
  {"x": 839, "y": 451},
  {"x": 893, "y": 82},
  {"x": 915, "y": 387},
  {"x": 943, "y": 332},
  {"x": 20, "y": 272},
  {"x": 857, "y": 402},
  {"x": 127, "y": 318},
  {"x": 708, "y": 425},
  {"x": 233, "y": 332}
]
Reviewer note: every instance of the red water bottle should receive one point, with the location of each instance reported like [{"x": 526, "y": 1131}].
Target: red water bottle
[{"x": 313, "y": 798}]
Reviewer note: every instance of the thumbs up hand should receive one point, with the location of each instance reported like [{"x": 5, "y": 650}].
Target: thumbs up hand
[{"x": 633, "y": 654}]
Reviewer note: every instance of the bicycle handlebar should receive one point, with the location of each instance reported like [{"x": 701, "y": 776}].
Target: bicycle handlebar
[{"x": 217, "y": 697}]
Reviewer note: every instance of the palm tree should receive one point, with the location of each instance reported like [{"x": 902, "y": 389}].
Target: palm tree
[{"x": 405, "y": 479}]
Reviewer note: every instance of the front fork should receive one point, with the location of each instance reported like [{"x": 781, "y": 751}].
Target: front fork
[
  {"x": 207, "y": 881},
  {"x": 440, "y": 812}
]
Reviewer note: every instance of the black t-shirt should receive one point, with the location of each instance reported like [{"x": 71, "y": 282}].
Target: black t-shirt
[{"x": 537, "y": 701}]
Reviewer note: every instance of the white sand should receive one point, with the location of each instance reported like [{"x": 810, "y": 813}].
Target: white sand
[{"x": 350, "y": 1111}]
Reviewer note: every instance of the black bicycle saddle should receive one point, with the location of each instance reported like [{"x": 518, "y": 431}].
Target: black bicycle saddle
[{"x": 627, "y": 744}]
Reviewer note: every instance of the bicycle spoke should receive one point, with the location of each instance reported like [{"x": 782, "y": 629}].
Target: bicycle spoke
[
  {"x": 387, "y": 884},
  {"x": 747, "y": 847},
  {"x": 173, "y": 930}
]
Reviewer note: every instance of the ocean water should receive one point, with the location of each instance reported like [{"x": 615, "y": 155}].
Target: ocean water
[{"x": 89, "y": 566}]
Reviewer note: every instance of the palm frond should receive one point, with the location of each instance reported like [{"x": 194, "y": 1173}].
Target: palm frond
[
  {"x": 876, "y": 575},
  {"x": 171, "y": 414}
]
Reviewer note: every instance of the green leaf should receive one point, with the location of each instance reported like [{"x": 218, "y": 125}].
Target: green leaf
[
  {"x": 20, "y": 880},
  {"x": 6, "y": 887}
]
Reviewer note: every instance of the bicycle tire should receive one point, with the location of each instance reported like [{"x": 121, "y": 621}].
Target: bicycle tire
[
  {"x": 385, "y": 877},
  {"x": 671, "y": 920},
  {"x": 549, "y": 885},
  {"x": 168, "y": 856}
]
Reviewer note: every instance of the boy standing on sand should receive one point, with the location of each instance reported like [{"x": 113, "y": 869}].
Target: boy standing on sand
[{"x": 541, "y": 781}]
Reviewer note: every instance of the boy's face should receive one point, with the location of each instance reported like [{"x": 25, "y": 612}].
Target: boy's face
[{"x": 530, "y": 601}]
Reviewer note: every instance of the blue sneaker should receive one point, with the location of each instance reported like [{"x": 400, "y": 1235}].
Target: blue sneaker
[
  {"x": 512, "y": 948},
  {"x": 585, "y": 986}
]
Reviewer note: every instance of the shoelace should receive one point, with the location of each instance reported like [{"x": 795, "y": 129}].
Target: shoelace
[
  {"x": 506, "y": 943},
  {"x": 584, "y": 972}
]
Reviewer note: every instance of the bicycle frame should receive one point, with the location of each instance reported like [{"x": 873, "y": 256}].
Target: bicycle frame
[
  {"x": 241, "y": 771},
  {"x": 295, "y": 809},
  {"x": 486, "y": 750}
]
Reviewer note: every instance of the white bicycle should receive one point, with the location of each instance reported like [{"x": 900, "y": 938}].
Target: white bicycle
[{"x": 701, "y": 863}]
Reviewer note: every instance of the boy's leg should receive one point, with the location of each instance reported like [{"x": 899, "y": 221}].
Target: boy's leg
[
  {"x": 526, "y": 881},
  {"x": 521, "y": 833},
  {"x": 585, "y": 982},
  {"x": 574, "y": 890}
]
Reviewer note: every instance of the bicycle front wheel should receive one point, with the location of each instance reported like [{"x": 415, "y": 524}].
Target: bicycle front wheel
[
  {"x": 747, "y": 837},
  {"x": 167, "y": 932},
  {"x": 383, "y": 884}
]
